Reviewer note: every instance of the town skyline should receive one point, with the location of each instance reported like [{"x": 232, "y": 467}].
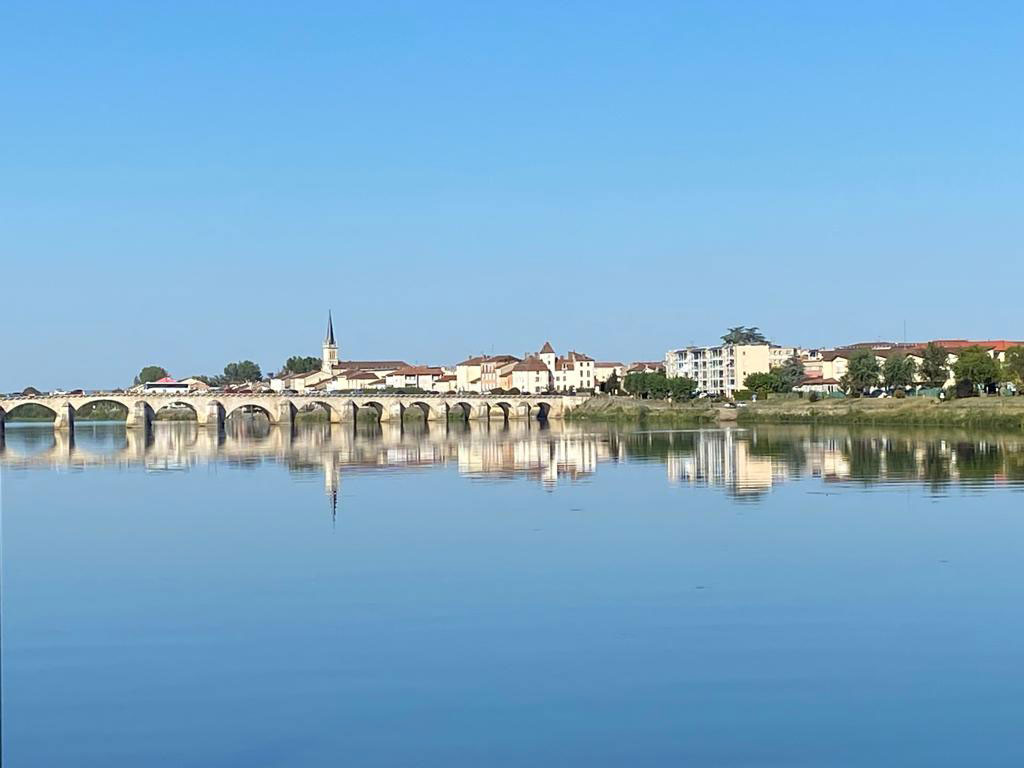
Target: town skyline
[{"x": 110, "y": 379}]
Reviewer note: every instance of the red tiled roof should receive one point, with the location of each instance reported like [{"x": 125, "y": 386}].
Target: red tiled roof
[
  {"x": 417, "y": 370},
  {"x": 371, "y": 365},
  {"x": 530, "y": 364}
]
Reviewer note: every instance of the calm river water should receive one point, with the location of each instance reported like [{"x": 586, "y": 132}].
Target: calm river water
[{"x": 512, "y": 597}]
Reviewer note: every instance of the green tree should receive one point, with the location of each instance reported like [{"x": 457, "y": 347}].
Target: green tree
[
  {"x": 977, "y": 369},
  {"x": 743, "y": 335},
  {"x": 763, "y": 383},
  {"x": 150, "y": 373},
  {"x": 654, "y": 386},
  {"x": 300, "y": 364},
  {"x": 682, "y": 388},
  {"x": 934, "y": 365},
  {"x": 862, "y": 373},
  {"x": 244, "y": 370},
  {"x": 611, "y": 385},
  {"x": 790, "y": 373},
  {"x": 899, "y": 371},
  {"x": 1014, "y": 365}
]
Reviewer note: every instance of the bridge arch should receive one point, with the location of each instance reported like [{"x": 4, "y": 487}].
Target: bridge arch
[
  {"x": 171, "y": 411},
  {"x": 88, "y": 408},
  {"x": 10, "y": 412},
  {"x": 248, "y": 406},
  {"x": 502, "y": 407},
  {"x": 460, "y": 408},
  {"x": 427, "y": 409},
  {"x": 370, "y": 405}
]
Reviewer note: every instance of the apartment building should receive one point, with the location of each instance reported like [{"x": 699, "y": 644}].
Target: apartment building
[{"x": 718, "y": 370}]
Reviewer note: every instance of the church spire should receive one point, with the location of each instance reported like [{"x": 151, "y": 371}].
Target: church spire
[{"x": 329, "y": 339}]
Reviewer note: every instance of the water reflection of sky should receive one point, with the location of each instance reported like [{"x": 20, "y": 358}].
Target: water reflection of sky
[
  {"x": 513, "y": 597},
  {"x": 746, "y": 462}
]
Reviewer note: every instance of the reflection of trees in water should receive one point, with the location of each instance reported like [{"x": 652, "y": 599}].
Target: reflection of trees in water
[
  {"x": 748, "y": 461},
  {"x": 936, "y": 466},
  {"x": 900, "y": 459},
  {"x": 864, "y": 457},
  {"x": 789, "y": 450},
  {"x": 653, "y": 445},
  {"x": 978, "y": 461}
]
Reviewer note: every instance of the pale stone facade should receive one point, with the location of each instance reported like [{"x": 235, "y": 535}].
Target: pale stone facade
[{"x": 718, "y": 370}]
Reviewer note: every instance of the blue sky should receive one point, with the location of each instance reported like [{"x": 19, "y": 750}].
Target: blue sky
[{"x": 193, "y": 183}]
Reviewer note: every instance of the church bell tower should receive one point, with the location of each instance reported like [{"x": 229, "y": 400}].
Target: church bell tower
[{"x": 330, "y": 349}]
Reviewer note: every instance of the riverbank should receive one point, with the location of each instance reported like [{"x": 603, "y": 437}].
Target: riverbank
[
  {"x": 627, "y": 409},
  {"x": 1001, "y": 412}
]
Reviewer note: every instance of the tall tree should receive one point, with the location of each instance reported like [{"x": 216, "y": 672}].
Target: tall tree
[
  {"x": 243, "y": 370},
  {"x": 763, "y": 383},
  {"x": 899, "y": 371},
  {"x": 150, "y": 373},
  {"x": 976, "y": 369},
  {"x": 300, "y": 364},
  {"x": 862, "y": 373},
  {"x": 743, "y": 335},
  {"x": 1014, "y": 365},
  {"x": 790, "y": 373},
  {"x": 611, "y": 384},
  {"x": 682, "y": 388},
  {"x": 934, "y": 365}
]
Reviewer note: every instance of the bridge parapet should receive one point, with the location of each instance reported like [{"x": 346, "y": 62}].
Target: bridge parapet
[{"x": 213, "y": 408}]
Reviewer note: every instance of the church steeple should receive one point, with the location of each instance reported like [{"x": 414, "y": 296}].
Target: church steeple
[
  {"x": 329, "y": 339},
  {"x": 330, "y": 350}
]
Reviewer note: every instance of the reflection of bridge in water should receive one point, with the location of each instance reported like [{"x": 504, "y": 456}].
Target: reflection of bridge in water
[{"x": 747, "y": 463}]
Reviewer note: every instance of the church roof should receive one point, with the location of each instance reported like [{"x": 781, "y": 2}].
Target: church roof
[{"x": 547, "y": 349}]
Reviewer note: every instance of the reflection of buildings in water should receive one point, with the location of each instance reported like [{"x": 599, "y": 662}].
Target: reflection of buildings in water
[
  {"x": 745, "y": 462},
  {"x": 723, "y": 458}
]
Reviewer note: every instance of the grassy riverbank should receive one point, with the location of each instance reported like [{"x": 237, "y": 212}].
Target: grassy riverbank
[
  {"x": 603, "y": 409},
  {"x": 1001, "y": 412}
]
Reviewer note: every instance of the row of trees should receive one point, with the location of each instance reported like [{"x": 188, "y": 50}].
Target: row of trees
[
  {"x": 974, "y": 370},
  {"x": 234, "y": 373},
  {"x": 781, "y": 378},
  {"x": 657, "y": 386}
]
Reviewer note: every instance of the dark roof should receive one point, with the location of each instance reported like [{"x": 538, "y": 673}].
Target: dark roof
[
  {"x": 547, "y": 349},
  {"x": 329, "y": 339}
]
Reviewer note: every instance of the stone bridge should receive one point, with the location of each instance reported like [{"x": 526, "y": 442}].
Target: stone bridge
[{"x": 212, "y": 408}]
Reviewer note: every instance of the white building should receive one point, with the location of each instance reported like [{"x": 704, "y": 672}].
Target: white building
[{"x": 718, "y": 370}]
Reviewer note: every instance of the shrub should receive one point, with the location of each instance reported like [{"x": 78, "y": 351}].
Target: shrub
[
  {"x": 899, "y": 393},
  {"x": 814, "y": 396}
]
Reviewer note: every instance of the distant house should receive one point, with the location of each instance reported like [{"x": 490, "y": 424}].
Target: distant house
[
  {"x": 604, "y": 371},
  {"x": 818, "y": 384},
  {"x": 420, "y": 376},
  {"x": 531, "y": 376}
]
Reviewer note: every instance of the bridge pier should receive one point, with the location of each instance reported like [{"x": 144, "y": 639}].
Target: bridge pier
[
  {"x": 65, "y": 417},
  {"x": 392, "y": 412},
  {"x": 140, "y": 416},
  {"x": 3, "y": 425},
  {"x": 438, "y": 412},
  {"x": 211, "y": 416},
  {"x": 480, "y": 412},
  {"x": 286, "y": 414}
]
